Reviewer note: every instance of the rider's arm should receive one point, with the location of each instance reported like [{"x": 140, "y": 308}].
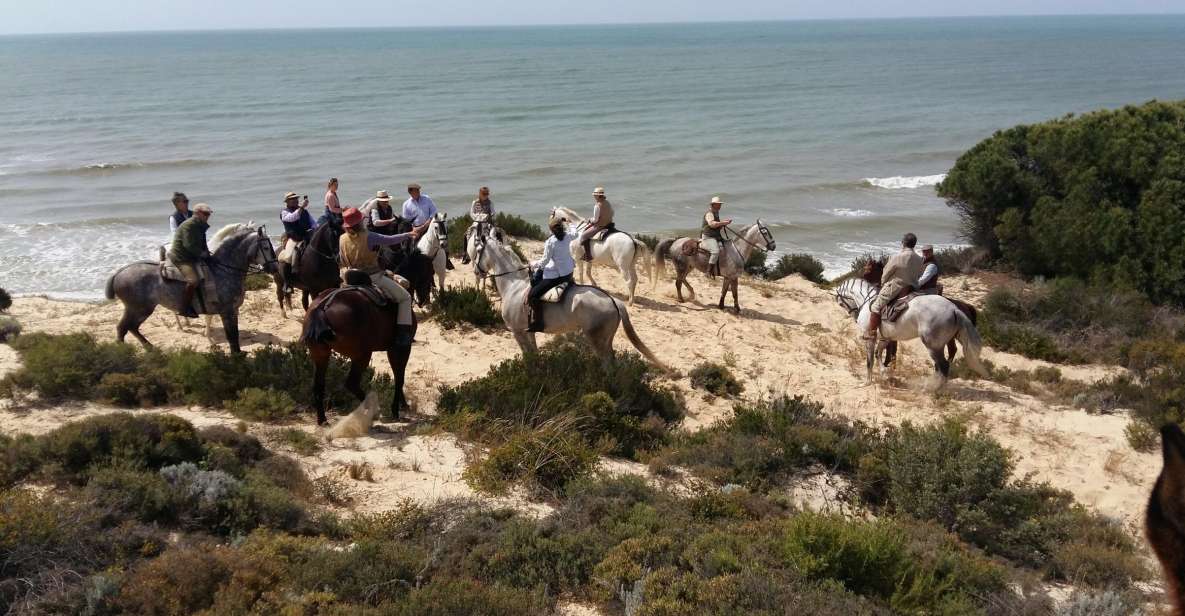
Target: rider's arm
[
  {"x": 292, "y": 216},
  {"x": 548, "y": 247},
  {"x": 929, "y": 273},
  {"x": 374, "y": 240}
]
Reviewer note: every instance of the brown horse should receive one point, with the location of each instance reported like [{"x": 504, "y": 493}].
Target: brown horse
[
  {"x": 873, "y": 270},
  {"x": 1165, "y": 519},
  {"x": 348, "y": 322}
]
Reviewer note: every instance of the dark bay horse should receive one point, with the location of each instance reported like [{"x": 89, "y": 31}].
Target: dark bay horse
[
  {"x": 348, "y": 322},
  {"x": 317, "y": 269}
]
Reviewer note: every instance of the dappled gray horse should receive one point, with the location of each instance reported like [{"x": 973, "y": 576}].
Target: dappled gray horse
[
  {"x": 588, "y": 310},
  {"x": 733, "y": 254},
  {"x": 933, "y": 318},
  {"x": 240, "y": 250}
]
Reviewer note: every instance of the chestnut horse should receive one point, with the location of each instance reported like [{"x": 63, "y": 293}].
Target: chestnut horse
[{"x": 348, "y": 322}]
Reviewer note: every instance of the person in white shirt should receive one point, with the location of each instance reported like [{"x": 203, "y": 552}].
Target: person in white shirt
[
  {"x": 554, "y": 268},
  {"x": 928, "y": 283},
  {"x": 419, "y": 208}
]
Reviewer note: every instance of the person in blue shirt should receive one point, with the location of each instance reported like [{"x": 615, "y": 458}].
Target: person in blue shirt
[{"x": 554, "y": 268}]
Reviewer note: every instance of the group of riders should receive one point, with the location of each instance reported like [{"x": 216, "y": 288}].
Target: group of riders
[{"x": 363, "y": 230}]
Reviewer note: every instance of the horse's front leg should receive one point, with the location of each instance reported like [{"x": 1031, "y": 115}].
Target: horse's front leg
[
  {"x": 398, "y": 358},
  {"x": 526, "y": 342},
  {"x": 319, "y": 353},
  {"x": 723, "y": 292},
  {"x": 736, "y": 304},
  {"x": 230, "y": 324}
]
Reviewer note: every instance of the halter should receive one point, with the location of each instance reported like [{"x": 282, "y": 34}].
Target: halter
[
  {"x": 269, "y": 258},
  {"x": 848, "y": 303},
  {"x": 761, "y": 228},
  {"x": 481, "y": 271}
]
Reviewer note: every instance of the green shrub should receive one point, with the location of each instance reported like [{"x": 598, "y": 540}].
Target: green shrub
[
  {"x": 513, "y": 225},
  {"x": 118, "y": 439},
  {"x": 547, "y": 457},
  {"x": 255, "y": 404},
  {"x": 5, "y": 300},
  {"x": 297, "y": 440},
  {"x": 463, "y": 597},
  {"x": 466, "y": 304},
  {"x": 715, "y": 379},
  {"x": 755, "y": 264},
  {"x": 68, "y": 366},
  {"x": 10, "y": 328},
  {"x": 1097, "y": 197},
  {"x": 651, "y": 241},
  {"x": 530, "y": 391},
  {"x": 257, "y": 282},
  {"x": 142, "y": 495},
  {"x": 762, "y": 444},
  {"x": 134, "y": 389},
  {"x": 804, "y": 264},
  {"x": 1141, "y": 436},
  {"x": 181, "y": 581}
]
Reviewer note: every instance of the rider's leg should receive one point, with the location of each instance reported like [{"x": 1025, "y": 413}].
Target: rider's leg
[
  {"x": 713, "y": 248},
  {"x": 191, "y": 284},
  {"x": 404, "y": 320},
  {"x": 535, "y": 300},
  {"x": 586, "y": 241}
]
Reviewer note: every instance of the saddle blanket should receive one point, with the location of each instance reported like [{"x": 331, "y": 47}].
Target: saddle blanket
[
  {"x": 206, "y": 299},
  {"x": 370, "y": 291},
  {"x": 555, "y": 295},
  {"x": 899, "y": 306},
  {"x": 690, "y": 247},
  {"x": 606, "y": 232}
]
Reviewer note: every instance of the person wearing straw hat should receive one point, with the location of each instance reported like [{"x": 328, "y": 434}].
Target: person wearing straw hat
[
  {"x": 712, "y": 234},
  {"x": 358, "y": 249},
  {"x": 928, "y": 282},
  {"x": 382, "y": 216},
  {"x": 601, "y": 219},
  {"x": 188, "y": 250}
]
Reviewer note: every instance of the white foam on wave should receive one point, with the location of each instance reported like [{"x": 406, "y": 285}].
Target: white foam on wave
[
  {"x": 899, "y": 182},
  {"x": 850, "y": 213}
]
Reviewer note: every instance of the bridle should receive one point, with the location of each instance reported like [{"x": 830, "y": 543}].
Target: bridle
[
  {"x": 761, "y": 228},
  {"x": 269, "y": 257},
  {"x": 481, "y": 271},
  {"x": 843, "y": 297}
]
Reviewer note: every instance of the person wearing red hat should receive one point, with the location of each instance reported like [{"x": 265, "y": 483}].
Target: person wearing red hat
[{"x": 358, "y": 249}]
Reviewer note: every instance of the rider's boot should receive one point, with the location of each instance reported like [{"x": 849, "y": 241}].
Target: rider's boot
[
  {"x": 448, "y": 263},
  {"x": 536, "y": 324},
  {"x": 587, "y": 244},
  {"x": 713, "y": 269},
  {"x": 874, "y": 325},
  {"x": 286, "y": 271},
  {"x": 404, "y": 335},
  {"x": 187, "y": 310}
]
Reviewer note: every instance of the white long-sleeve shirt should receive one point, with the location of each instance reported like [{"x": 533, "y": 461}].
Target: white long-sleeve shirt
[
  {"x": 419, "y": 211},
  {"x": 557, "y": 258}
]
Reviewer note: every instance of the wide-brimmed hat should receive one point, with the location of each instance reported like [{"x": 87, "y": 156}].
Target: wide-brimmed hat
[
  {"x": 290, "y": 195},
  {"x": 598, "y": 191},
  {"x": 717, "y": 201},
  {"x": 382, "y": 196},
  {"x": 202, "y": 207},
  {"x": 413, "y": 186},
  {"x": 352, "y": 217},
  {"x": 929, "y": 247}
]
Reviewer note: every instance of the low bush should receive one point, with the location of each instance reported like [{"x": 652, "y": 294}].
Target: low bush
[
  {"x": 297, "y": 440},
  {"x": 762, "y": 444},
  {"x": 10, "y": 328},
  {"x": 546, "y": 458},
  {"x": 715, "y": 379},
  {"x": 120, "y": 439},
  {"x": 133, "y": 389},
  {"x": 755, "y": 265},
  {"x": 258, "y": 282},
  {"x": 471, "y": 305},
  {"x": 530, "y": 391},
  {"x": 651, "y": 241},
  {"x": 68, "y": 366},
  {"x": 5, "y": 300},
  {"x": 513, "y": 225},
  {"x": 807, "y": 266},
  {"x": 255, "y": 404}
]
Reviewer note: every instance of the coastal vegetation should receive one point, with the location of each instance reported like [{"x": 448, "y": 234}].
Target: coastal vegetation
[
  {"x": 5, "y": 300},
  {"x": 799, "y": 263},
  {"x": 716, "y": 379},
  {"x": 456, "y": 305},
  {"x": 513, "y": 225}
]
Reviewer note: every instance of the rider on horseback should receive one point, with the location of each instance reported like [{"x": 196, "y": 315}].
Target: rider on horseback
[
  {"x": 481, "y": 211},
  {"x": 382, "y": 216},
  {"x": 333, "y": 208},
  {"x": 900, "y": 276},
  {"x": 298, "y": 228},
  {"x": 928, "y": 283},
  {"x": 554, "y": 268},
  {"x": 189, "y": 248},
  {"x": 711, "y": 235},
  {"x": 359, "y": 251},
  {"x": 602, "y": 218},
  {"x": 420, "y": 210},
  {"x": 182, "y": 213}
]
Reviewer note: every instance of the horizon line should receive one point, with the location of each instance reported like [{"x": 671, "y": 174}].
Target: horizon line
[{"x": 580, "y": 25}]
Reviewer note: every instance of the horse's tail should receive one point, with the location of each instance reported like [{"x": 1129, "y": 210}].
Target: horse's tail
[
  {"x": 316, "y": 326},
  {"x": 110, "y": 289},
  {"x": 641, "y": 249},
  {"x": 969, "y": 339},
  {"x": 661, "y": 252},
  {"x": 633, "y": 336}
]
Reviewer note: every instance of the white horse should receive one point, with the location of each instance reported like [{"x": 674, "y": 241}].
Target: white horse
[
  {"x": 619, "y": 249},
  {"x": 588, "y": 310},
  {"x": 733, "y": 255},
  {"x": 932, "y": 318},
  {"x": 432, "y": 244}
]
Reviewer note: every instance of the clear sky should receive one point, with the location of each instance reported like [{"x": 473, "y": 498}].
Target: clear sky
[{"x": 39, "y": 16}]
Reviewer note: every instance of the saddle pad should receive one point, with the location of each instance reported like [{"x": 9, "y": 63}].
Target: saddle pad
[
  {"x": 690, "y": 247},
  {"x": 606, "y": 232},
  {"x": 898, "y": 307},
  {"x": 556, "y": 294},
  {"x": 206, "y": 299}
]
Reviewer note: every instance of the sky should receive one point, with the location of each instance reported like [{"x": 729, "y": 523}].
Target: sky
[{"x": 45, "y": 16}]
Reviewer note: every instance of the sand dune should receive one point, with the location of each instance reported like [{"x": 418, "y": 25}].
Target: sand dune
[{"x": 791, "y": 337}]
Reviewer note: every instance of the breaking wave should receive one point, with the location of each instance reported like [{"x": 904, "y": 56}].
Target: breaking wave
[{"x": 898, "y": 182}]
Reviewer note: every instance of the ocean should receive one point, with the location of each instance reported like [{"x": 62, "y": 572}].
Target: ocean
[{"x": 832, "y": 132}]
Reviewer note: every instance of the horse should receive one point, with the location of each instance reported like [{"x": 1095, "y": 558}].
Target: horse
[
  {"x": 473, "y": 239},
  {"x": 318, "y": 269},
  {"x": 239, "y": 250},
  {"x": 348, "y": 322},
  {"x": 732, "y": 259},
  {"x": 588, "y": 310},
  {"x": 619, "y": 249},
  {"x": 933, "y": 318},
  {"x": 1164, "y": 520},
  {"x": 874, "y": 269},
  {"x": 433, "y": 244},
  {"x": 413, "y": 265}
]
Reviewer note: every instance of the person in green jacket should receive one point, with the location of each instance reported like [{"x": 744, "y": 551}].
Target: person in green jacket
[{"x": 189, "y": 248}]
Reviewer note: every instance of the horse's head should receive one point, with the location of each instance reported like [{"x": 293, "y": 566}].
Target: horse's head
[
  {"x": 852, "y": 294},
  {"x": 441, "y": 224},
  {"x": 265, "y": 254},
  {"x": 770, "y": 244},
  {"x": 873, "y": 270}
]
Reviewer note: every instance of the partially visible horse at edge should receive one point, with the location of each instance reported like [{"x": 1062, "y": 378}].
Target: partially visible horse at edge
[
  {"x": 619, "y": 249},
  {"x": 933, "y": 318},
  {"x": 732, "y": 259},
  {"x": 1164, "y": 520},
  {"x": 238, "y": 250}
]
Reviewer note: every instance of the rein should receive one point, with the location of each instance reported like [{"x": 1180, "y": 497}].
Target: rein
[{"x": 251, "y": 268}]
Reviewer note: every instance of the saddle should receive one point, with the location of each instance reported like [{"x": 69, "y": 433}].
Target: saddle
[
  {"x": 556, "y": 294},
  {"x": 609, "y": 229},
  {"x": 898, "y": 307},
  {"x": 360, "y": 281},
  {"x": 206, "y": 288},
  {"x": 692, "y": 246}
]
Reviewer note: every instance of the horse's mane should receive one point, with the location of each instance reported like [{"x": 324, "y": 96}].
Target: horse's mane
[{"x": 229, "y": 231}]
